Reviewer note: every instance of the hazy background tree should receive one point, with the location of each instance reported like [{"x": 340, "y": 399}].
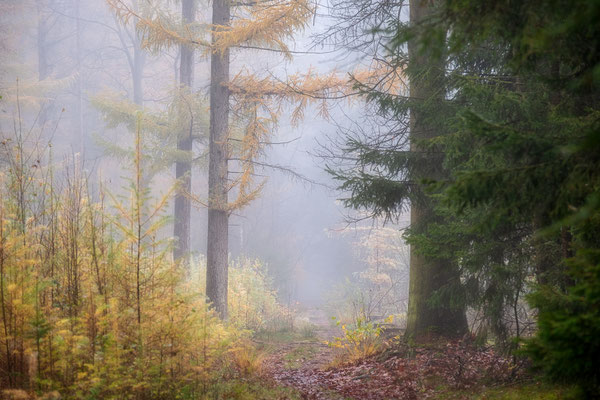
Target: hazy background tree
[{"x": 183, "y": 169}]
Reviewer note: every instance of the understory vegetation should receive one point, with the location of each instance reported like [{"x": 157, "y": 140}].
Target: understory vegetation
[{"x": 92, "y": 305}]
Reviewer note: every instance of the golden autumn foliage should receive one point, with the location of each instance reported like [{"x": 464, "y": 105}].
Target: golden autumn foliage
[
  {"x": 260, "y": 101},
  {"x": 91, "y": 304},
  {"x": 265, "y": 23},
  {"x": 264, "y": 99},
  {"x": 359, "y": 341},
  {"x": 158, "y": 28},
  {"x": 31, "y": 92},
  {"x": 252, "y": 299}
]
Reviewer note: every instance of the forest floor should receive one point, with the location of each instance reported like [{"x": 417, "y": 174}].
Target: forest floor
[
  {"x": 298, "y": 362},
  {"x": 437, "y": 370}
]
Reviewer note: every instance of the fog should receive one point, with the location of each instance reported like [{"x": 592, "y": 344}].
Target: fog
[
  {"x": 218, "y": 199},
  {"x": 65, "y": 54}
]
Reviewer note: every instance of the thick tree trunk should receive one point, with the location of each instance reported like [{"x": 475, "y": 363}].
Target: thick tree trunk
[
  {"x": 427, "y": 275},
  {"x": 218, "y": 216},
  {"x": 183, "y": 169}
]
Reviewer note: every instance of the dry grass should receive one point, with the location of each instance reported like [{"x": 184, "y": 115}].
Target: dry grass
[{"x": 247, "y": 359}]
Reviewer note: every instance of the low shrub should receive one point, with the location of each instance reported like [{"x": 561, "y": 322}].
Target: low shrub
[{"x": 360, "y": 340}]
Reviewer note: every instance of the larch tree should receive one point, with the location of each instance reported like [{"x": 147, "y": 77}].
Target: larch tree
[
  {"x": 257, "y": 103},
  {"x": 156, "y": 35},
  {"x": 218, "y": 170},
  {"x": 269, "y": 24}
]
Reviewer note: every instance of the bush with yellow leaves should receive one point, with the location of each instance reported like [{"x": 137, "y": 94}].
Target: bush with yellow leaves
[
  {"x": 92, "y": 305},
  {"x": 253, "y": 302},
  {"x": 360, "y": 340}
]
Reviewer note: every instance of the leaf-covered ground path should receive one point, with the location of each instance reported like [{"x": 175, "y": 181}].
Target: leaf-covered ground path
[
  {"x": 449, "y": 370},
  {"x": 299, "y": 363}
]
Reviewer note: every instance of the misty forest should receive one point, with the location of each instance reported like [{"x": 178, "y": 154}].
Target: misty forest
[{"x": 299, "y": 199}]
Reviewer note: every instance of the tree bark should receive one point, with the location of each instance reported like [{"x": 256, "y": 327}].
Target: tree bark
[
  {"x": 218, "y": 215},
  {"x": 427, "y": 275},
  {"x": 183, "y": 169}
]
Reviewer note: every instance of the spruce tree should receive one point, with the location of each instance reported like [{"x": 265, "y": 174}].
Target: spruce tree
[{"x": 393, "y": 168}]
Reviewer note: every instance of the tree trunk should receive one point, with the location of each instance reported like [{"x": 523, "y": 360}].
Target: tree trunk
[
  {"x": 183, "y": 169},
  {"x": 427, "y": 274},
  {"x": 218, "y": 216}
]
